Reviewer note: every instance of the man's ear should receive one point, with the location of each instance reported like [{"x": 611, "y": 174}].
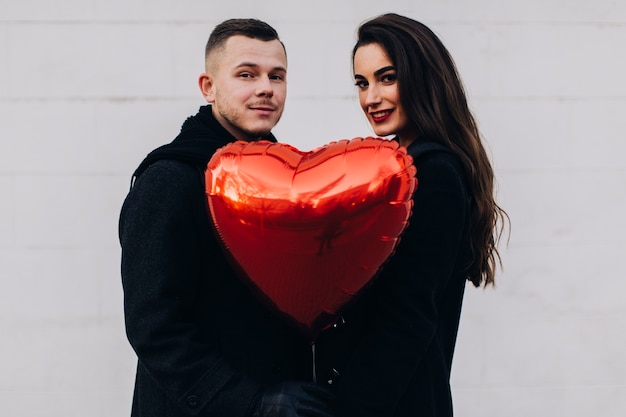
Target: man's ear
[{"x": 205, "y": 82}]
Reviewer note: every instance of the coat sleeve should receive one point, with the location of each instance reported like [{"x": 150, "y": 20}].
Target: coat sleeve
[
  {"x": 161, "y": 272},
  {"x": 403, "y": 311}
]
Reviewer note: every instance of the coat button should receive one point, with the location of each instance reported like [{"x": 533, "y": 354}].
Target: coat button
[
  {"x": 339, "y": 323},
  {"x": 192, "y": 401},
  {"x": 333, "y": 376}
]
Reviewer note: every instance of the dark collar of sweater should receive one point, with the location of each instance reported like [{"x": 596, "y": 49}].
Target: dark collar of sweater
[{"x": 200, "y": 136}]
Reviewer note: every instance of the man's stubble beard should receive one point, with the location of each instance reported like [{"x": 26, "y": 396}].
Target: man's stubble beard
[{"x": 232, "y": 116}]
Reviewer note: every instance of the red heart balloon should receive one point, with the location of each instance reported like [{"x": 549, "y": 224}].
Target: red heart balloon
[{"x": 309, "y": 230}]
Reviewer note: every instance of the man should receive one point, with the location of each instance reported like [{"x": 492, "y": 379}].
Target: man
[{"x": 205, "y": 345}]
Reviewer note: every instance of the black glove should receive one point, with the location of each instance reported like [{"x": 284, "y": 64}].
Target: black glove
[{"x": 294, "y": 399}]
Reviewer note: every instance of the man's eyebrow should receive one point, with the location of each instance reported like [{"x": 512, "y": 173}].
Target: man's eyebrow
[
  {"x": 246, "y": 64},
  {"x": 255, "y": 65}
]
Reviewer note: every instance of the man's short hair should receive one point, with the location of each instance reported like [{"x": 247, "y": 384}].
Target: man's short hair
[{"x": 252, "y": 28}]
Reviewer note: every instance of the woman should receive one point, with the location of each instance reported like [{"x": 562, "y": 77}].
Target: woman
[{"x": 391, "y": 355}]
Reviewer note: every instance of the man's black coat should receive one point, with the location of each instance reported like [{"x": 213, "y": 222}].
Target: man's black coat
[{"x": 205, "y": 345}]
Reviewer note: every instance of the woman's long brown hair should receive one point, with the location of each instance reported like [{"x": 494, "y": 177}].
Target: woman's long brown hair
[{"x": 433, "y": 96}]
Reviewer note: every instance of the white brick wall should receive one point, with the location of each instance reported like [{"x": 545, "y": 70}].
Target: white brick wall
[{"x": 88, "y": 87}]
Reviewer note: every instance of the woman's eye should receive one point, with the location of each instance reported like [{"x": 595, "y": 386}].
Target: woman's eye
[
  {"x": 388, "y": 78},
  {"x": 360, "y": 83}
]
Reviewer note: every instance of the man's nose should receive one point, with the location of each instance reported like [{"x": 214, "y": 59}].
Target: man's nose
[{"x": 264, "y": 87}]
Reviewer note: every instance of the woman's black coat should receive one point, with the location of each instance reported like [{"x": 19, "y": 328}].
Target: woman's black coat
[{"x": 392, "y": 353}]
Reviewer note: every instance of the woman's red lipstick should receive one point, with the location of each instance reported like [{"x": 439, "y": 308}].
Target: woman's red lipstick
[{"x": 382, "y": 116}]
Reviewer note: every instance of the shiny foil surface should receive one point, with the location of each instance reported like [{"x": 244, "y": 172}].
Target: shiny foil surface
[{"x": 309, "y": 230}]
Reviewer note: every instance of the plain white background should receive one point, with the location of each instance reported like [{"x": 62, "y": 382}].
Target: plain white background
[{"x": 88, "y": 87}]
